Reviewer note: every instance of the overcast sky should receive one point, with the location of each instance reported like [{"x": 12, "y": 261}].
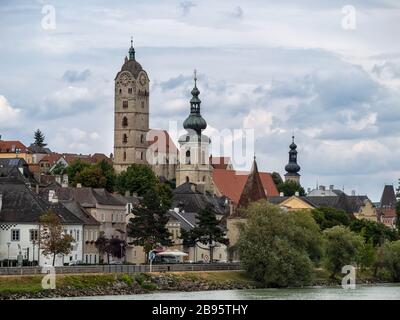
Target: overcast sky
[{"x": 275, "y": 66}]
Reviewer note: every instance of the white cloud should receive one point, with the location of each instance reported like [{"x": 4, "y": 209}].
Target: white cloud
[{"x": 9, "y": 116}]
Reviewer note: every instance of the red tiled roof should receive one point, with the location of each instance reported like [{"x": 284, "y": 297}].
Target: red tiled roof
[
  {"x": 52, "y": 158},
  {"x": 91, "y": 159},
  {"x": 159, "y": 136},
  {"x": 11, "y": 146},
  {"x": 220, "y": 162},
  {"x": 230, "y": 183}
]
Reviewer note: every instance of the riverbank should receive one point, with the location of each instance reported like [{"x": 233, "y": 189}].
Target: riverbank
[{"x": 29, "y": 287}]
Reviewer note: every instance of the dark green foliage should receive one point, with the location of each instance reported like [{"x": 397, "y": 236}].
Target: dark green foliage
[
  {"x": 277, "y": 248},
  {"x": 289, "y": 188},
  {"x": 276, "y": 177},
  {"x": 376, "y": 232},
  {"x": 114, "y": 247},
  {"x": 39, "y": 138},
  {"x": 389, "y": 261},
  {"x": 138, "y": 178},
  {"x": 208, "y": 231},
  {"x": 342, "y": 247},
  {"x": 59, "y": 169},
  {"x": 327, "y": 217},
  {"x": 148, "y": 226}
]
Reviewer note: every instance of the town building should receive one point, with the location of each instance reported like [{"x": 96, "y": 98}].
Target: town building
[
  {"x": 15, "y": 149},
  {"x": 386, "y": 210}
]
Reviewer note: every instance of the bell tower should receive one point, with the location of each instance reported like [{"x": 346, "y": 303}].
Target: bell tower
[
  {"x": 194, "y": 163},
  {"x": 292, "y": 168},
  {"x": 131, "y": 114}
]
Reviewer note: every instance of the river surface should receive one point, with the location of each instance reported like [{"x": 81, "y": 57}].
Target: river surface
[{"x": 362, "y": 292}]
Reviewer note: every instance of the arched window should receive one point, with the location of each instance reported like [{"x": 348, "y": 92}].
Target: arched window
[
  {"x": 130, "y": 90},
  {"x": 204, "y": 179},
  {"x": 125, "y": 138},
  {"x": 187, "y": 138},
  {"x": 141, "y": 138},
  {"x": 124, "y": 121},
  {"x": 120, "y": 90},
  {"x": 124, "y": 156},
  {"x": 188, "y": 157},
  {"x": 141, "y": 156},
  {"x": 187, "y": 179}
]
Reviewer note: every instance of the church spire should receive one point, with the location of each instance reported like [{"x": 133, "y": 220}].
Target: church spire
[
  {"x": 131, "y": 51},
  {"x": 195, "y": 121},
  {"x": 292, "y": 168}
]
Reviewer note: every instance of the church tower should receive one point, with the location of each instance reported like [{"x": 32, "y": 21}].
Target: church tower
[
  {"x": 292, "y": 168},
  {"x": 194, "y": 163},
  {"x": 131, "y": 114}
]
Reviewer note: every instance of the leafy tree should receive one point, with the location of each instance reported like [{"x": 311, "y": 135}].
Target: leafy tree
[
  {"x": 39, "y": 138},
  {"x": 74, "y": 169},
  {"x": 138, "y": 178},
  {"x": 389, "y": 260},
  {"x": 368, "y": 255},
  {"x": 276, "y": 177},
  {"x": 59, "y": 169},
  {"x": 290, "y": 187},
  {"x": 109, "y": 173},
  {"x": 342, "y": 247},
  {"x": 208, "y": 231},
  {"x": 114, "y": 247},
  {"x": 398, "y": 214},
  {"x": 91, "y": 177},
  {"x": 102, "y": 246},
  {"x": 53, "y": 241},
  {"x": 277, "y": 247},
  {"x": 328, "y": 217},
  {"x": 148, "y": 226},
  {"x": 373, "y": 231}
]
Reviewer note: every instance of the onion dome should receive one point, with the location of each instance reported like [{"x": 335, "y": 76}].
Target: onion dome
[
  {"x": 195, "y": 121},
  {"x": 292, "y": 167}
]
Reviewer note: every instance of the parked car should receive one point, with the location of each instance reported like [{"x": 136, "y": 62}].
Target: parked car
[{"x": 75, "y": 263}]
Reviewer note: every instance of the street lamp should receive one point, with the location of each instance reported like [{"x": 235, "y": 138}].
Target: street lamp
[{"x": 8, "y": 253}]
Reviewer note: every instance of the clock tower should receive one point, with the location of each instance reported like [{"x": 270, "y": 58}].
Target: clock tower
[{"x": 131, "y": 114}]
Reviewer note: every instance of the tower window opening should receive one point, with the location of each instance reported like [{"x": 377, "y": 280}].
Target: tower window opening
[
  {"x": 120, "y": 90},
  {"x": 125, "y": 138},
  {"x": 124, "y": 156},
  {"x": 141, "y": 156},
  {"x": 142, "y": 103},
  {"x": 130, "y": 90},
  {"x": 124, "y": 121},
  {"x": 125, "y": 104},
  {"x": 188, "y": 157},
  {"x": 187, "y": 179},
  {"x": 141, "y": 139}
]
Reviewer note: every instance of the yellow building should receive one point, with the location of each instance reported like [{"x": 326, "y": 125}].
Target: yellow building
[{"x": 15, "y": 149}]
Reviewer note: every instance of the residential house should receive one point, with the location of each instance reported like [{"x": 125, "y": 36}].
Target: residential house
[
  {"x": 386, "y": 210},
  {"x": 15, "y": 149}
]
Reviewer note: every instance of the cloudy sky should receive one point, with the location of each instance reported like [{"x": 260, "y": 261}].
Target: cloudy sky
[{"x": 327, "y": 71}]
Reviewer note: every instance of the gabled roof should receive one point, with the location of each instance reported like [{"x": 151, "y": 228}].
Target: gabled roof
[
  {"x": 51, "y": 158},
  {"x": 230, "y": 183},
  {"x": 12, "y": 146},
  {"x": 21, "y": 205},
  {"x": 33, "y": 148},
  {"x": 189, "y": 199},
  {"x": 188, "y": 220},
  {"x": 76, "y": 209},
  {"x": 253, "y": 189}
]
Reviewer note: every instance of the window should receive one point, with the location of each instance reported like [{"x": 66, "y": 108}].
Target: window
[
  {"x": 124, "y": 121},
  {"x": 187, "y": 138},
  {"x": 125, "y": 104},
  {"x": 130, "y": 90},
  {"x": 204, "y": 179},
  {"x": 141, "y": 156},
  {"x": 77, "y": 235},
  {"x": 125, "y": 138},
  {"x": 187, "y": 179},
  {"x": 142, "y": 104},
  {"x": 120, "y": 90},
  {"x": 141, "y": 138},
  {"x": 124, "y": 156},
  {"x": 103, "y": 218},
  {"x": 34, "y": 235},
  {"x": 95, "y": 258},
  {"x": 14, "y": 234}
]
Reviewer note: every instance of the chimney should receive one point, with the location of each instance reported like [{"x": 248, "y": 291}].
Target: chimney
[
  {"x": 296, "y": 194},
  {"x": 64, "y": 183},
  {"x": 1, "y": 201},
  {"x": 52, "y": 197},
  {"x": 281, "y": 194},
  {"x": 176, "y": 210},
  {"x": 79, "y": 185}
]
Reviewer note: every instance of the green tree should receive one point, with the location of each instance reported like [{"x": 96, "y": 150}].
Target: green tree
[
  {"x": 389, "y": 260},
  {"x": 74, "y": 169},
  {"x": 109, "y": 173},
  {"x": 53, "y": 241},
  {"x": 102, "y": 245},
  {"x": 208, "y": 231},
  {"x": 39, "y": 138},
  {"x": 373, "y": 231},
  {"x": 148, "y": 226},
  {"x": 276, "y": 177},
  {"x": 328, "y": 217},
  {"x": 368, "y": 255},
  {"x": 289, "y": 188},
  {"x": 277, "y": 248},
  {"x": 342, "y": 247},
  {"x": 398, "y": 215},
  {"x": 138, "y": 178}
]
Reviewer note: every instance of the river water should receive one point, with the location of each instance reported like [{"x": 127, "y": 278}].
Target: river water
[{"x": 362, "y": 292}]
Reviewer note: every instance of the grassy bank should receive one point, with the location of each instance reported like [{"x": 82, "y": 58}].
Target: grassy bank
[{"x": 20, "y": 287}]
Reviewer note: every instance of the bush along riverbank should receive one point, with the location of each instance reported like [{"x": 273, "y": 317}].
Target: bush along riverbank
[{"x": 29, "y": 287}]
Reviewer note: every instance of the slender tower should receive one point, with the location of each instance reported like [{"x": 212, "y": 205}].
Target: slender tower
[
  {"x": 292, "y": 168},
  {"x": 131, "y": 113},
  {"x": 194, "y": 163}
]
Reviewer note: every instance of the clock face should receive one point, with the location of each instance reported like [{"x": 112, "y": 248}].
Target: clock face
[
  {"x": 124, "y": 79},
  {"x": 142, "y": 79}
]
